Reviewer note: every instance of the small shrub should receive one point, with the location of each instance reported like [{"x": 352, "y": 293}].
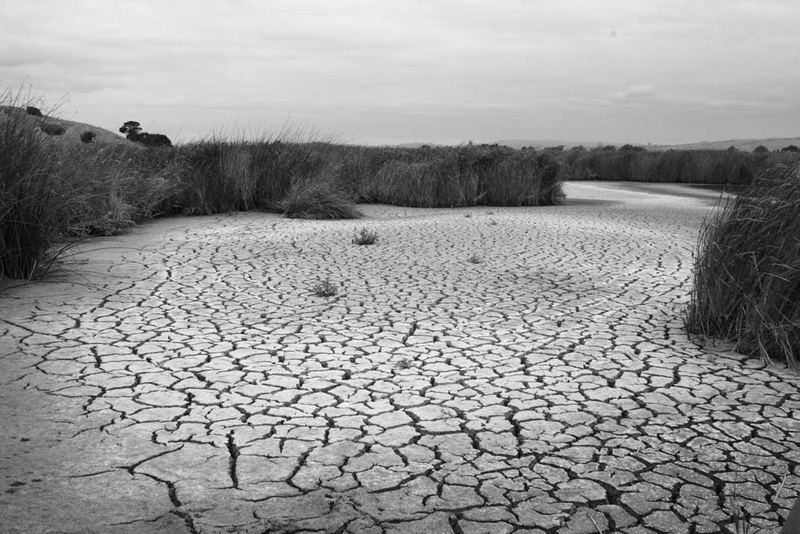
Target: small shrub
[
  {"x": 52, "y": 129},
  {"x": 318, "y": 199},
  {"x": 31, "y": 110},
  {"x": 88, "y": 137},
  {"x": 325, "y": 288},
  {"x": 475, "y": 259},
  {"x": 365, "y": 237}
]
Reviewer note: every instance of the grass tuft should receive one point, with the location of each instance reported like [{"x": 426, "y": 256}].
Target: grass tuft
[
  {"x": 747, "y": 269},
  {"x": 318, "y": 199},
  {"x": 325, "y": 288},
  {"x": 365, "y": 237}
]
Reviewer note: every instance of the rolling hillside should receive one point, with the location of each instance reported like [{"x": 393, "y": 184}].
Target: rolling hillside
[{"x": 72, "y": 129}]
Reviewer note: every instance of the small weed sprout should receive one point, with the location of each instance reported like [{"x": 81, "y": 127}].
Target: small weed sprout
[
  {"x": 405, "y": 363},
  {"x": 365, "y": 237},
  {"x": 325, "y": 288},
  {"x": 475, "y": 259},
  {"x": 740, "y": 516}
]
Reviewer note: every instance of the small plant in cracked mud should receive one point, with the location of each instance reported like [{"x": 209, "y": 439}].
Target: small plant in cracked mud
[
  {"x": 325, "y": 288},
  {"x": 740, "y": 517},
  {"x": 365, "y": 237},
  {"x": 405, "y": 363}
]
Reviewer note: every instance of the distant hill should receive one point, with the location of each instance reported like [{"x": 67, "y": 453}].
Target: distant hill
[
  {"x": 544, "y": 143},
  {"x": 746, "y": 145},
  {"x": 72, "y": 129}
]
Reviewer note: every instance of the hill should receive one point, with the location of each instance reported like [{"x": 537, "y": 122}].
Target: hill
[
  {"x": 745, "y": 145},
  {"x": 72, "y": 130},
  {"x": 545, "y": 143}
]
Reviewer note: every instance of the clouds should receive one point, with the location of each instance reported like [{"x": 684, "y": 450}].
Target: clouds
[{"x": 450, "y": 69}]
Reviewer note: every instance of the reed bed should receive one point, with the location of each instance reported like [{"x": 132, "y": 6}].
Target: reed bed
[{"x": 747, "y": 269}]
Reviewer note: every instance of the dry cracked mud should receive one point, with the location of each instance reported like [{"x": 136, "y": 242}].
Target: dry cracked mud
[{"x": 481, "y": 370}]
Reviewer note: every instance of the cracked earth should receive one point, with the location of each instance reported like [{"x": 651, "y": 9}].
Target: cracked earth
[{"x": 481, "y": 370}]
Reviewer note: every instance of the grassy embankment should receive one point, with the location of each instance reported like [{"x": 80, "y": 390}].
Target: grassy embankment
[{"x": 54, "y": 193}]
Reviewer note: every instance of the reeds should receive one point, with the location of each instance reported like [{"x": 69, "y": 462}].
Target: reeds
[{"x": 747, "y": 269}]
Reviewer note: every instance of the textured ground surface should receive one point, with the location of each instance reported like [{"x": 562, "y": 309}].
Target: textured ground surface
[{"x": 503, "y": 370}]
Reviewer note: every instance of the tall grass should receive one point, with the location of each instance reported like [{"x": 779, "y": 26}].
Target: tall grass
[
  {"x": 464, "y": 176},
  {"x": 747, "y": 269},
  {"x": 35, "y": 205}
]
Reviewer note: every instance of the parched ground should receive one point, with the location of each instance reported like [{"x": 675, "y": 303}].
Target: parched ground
[{"x": 481, "y": 370}]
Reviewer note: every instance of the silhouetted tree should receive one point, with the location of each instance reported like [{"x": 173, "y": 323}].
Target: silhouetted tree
[
  {"x": 130, "y": 128},
  {"x": 133, "y": 131}
]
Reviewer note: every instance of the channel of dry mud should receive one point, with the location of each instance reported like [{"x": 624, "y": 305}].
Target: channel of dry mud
[{"x": 481, "y": 370}]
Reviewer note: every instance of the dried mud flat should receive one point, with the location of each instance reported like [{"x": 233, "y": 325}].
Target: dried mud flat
[{"x": 479, "y": 371}]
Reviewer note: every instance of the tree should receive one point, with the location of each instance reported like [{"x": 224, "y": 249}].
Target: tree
[
  {"x": 760, "y": 149},
  {"x": 790, "y": 148},
  {"x": 631, "y": 148},
  {"x": 131, "y": 129}
]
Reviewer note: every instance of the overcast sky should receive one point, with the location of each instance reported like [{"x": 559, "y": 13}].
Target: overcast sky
[{"x": 442, "y": 71}]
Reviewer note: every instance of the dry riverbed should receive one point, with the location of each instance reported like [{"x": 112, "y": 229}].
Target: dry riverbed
[{"x": 480, "y": 370}]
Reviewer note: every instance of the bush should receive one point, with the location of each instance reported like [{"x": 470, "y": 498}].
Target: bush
[
  {"x": 88, "y": 137},
  {"x": 747, "y": 269},
  {"x": 52, "y": 129},
  {"x": 32, "y": 110}
]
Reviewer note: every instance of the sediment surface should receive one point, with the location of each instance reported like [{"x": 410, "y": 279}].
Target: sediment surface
[{"x": 481, "y": 370}]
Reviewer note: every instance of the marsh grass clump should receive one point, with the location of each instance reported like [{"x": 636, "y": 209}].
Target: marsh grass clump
[
  {"x": 318, "y": 199},
  {"x": 747, "y": 269},
  {"x": 35, "y": 206},
  {"x": 365, "y": 236},
  {"x": 325, "y": 288}
]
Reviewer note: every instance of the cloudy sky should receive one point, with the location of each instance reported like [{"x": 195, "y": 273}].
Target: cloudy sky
[{"x": 444, "y": 71}]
